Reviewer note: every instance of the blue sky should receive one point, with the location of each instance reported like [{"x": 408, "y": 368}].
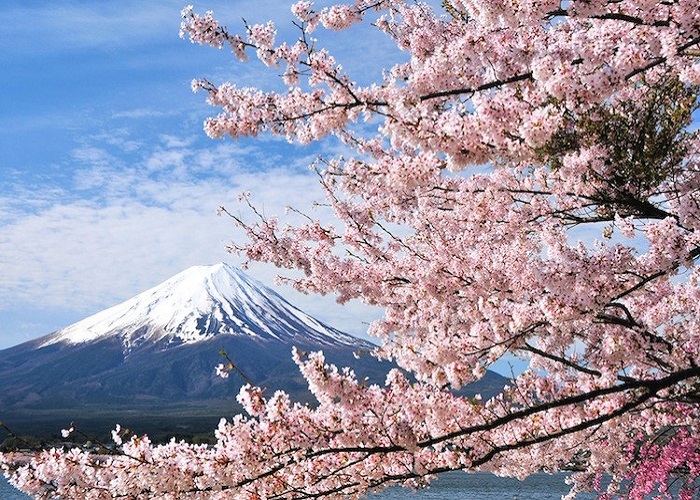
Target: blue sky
[{"x": 108, "y": 184}]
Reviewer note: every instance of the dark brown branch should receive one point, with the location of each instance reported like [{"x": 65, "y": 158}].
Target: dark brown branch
[
  {"x": 480, "y": 88},
  {"x": 560, "y": 359},
  {"x": 612, "y": 16},
  {"x": 646, "y": 279},
  {"x": 661, "y": 60}
]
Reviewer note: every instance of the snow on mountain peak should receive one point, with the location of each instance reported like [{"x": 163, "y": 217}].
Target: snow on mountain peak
[{"x": 197, "y": 304}]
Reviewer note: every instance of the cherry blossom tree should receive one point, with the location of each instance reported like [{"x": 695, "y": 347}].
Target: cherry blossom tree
[{"x": 523, "y": 181}]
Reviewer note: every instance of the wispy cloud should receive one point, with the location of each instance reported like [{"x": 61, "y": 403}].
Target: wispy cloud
[
  {"x": 81, "y": 25},
  {"x": 140, "y": 113}
]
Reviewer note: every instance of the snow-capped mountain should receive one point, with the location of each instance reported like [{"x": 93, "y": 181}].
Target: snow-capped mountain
[
  {"x": 148, "y": 363},
  {"x": 198, "y": 304}
]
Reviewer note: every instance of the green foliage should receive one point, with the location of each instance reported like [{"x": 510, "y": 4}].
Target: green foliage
[{"x": 645, "y": 141}]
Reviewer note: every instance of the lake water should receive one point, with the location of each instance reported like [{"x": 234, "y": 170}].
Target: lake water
[
  {"x": 483, "y": 486},
  {"x": 452, "y": 486},
  {"x": 7, "y": 492}
]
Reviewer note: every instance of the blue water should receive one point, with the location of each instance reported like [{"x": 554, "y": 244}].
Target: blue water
[
  {"x": 483, "y": 486},
  {"x": 7, "y": 492},
  {"x": 452, "y": 486}
]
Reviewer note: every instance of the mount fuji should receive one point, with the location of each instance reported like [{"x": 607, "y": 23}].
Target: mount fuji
[
  {"x": 199, "y": 304},
  {"x": 148, "y": 362}
]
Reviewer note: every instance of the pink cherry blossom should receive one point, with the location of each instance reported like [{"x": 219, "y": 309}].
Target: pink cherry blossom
[{"x": 525, "y": 182}]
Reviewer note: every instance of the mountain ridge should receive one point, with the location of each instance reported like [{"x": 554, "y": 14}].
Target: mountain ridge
[{"x": 198, "y": 303}]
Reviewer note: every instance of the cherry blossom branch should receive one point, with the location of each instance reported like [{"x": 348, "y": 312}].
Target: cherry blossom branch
[{"x": 651, "y": 387}]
